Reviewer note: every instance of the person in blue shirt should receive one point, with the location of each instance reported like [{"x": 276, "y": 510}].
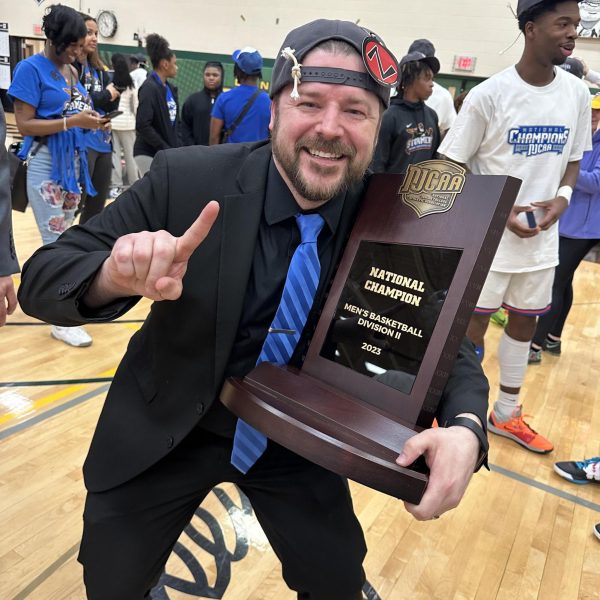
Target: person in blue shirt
[
  {"x": 579, "y": 232},
  {"x": 254, "y": 125},
  {"x": 94, "y": 76},
  {"x": 53, "y": 112}
]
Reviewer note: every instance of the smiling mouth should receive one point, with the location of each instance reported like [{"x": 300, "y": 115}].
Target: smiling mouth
[{"x": 326, "y": 155}]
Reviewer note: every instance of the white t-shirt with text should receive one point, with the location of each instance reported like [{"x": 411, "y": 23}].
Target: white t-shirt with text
[{"x": 508, "y": 127}]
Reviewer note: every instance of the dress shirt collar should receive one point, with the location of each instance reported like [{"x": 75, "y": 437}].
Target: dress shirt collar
[{"x": 280, "y": 204}]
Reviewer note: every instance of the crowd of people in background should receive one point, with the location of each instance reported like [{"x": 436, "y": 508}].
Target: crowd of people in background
[{"x": 91, "y": 131}]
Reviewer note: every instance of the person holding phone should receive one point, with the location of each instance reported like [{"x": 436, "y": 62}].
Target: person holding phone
[
  {"x": 579, "y": 232},
  {"x": 94, "y": 76},
  {"x": 54, "y": 113},
  {"x": 208, "y": 236},
  {"x": 531, "y": 120}
]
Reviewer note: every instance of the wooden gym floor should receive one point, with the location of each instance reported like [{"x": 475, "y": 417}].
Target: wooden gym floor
[{"x": 521, "y": 532}]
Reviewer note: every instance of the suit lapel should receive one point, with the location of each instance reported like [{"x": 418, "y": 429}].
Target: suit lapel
[{"x": 241, "y": 215}]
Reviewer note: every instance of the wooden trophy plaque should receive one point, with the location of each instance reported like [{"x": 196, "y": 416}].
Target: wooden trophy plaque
[{"x": 390, "y": 329}]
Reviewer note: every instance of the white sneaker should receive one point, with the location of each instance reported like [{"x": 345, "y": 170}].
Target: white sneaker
[{"x": 74, "y": 336}]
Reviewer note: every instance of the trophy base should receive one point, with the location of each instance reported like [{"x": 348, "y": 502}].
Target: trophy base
[{"x": 326, "y": 427}]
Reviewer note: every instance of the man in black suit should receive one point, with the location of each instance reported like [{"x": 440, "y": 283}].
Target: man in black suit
[
  {"x": 8, "y": 256},
  {"x": 208, "y": 235}
]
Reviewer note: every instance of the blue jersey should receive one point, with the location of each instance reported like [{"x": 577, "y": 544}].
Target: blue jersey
[
  {"x": 170, "y": 98},
  {"x": 99, "y": 139},
  {"x": 255, "y": 124},
  {"x": 38, "y": 82}
]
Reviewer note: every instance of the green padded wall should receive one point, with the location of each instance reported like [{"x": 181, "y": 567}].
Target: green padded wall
[{"x": 191, "y": 65}]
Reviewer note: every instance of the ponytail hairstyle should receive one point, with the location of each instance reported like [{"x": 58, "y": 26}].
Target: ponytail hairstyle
[
  {"x": 63, "y": 26},
  {"x": 93, "y": 58},
  {"x": 158, "y": 49}
]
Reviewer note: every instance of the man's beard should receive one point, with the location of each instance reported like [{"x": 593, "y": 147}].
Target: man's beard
[{"x": 289, "y": 160}]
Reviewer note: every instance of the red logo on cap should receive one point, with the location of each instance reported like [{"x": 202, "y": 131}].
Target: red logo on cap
[{"x": 380, "y": 62}]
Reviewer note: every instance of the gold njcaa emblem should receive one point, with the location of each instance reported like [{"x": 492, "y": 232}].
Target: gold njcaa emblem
[{"x": 432, "y": 186}]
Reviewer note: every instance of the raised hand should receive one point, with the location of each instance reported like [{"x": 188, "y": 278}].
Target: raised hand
[{"x": 150, "y": 264}]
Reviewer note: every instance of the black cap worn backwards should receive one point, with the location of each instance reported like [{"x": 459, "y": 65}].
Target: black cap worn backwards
[
  {"x": 431, "y": 61},
  {"x": 525, "y": 5},
  {"x": 380, "y": 64},
  {"x": 424, "y": 46}
]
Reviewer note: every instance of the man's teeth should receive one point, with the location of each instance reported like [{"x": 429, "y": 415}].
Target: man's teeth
[{"x": 324, "y": 154}]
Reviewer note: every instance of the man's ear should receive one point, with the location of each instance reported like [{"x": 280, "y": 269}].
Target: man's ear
[
  {"x": 273, "y": 111},
  {"x": 529, "y": 29}
]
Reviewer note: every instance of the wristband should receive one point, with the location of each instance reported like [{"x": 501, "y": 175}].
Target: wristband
[
  {"x": 484, "y": 445},
  {"x": 565, "y": 191}
]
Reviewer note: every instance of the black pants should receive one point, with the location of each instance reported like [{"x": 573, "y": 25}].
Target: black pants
[
  {"x": 100, "y": 167},
  {"x": 571, "y": 252},
  {"x": 305, "y": 511}
]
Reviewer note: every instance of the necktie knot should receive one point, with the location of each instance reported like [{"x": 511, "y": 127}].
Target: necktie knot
[{"x": 310, "y": 226}]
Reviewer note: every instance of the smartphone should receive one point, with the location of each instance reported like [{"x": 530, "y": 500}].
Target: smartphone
[
  {"x": 112, "y": 114},
  {"x": 531, "y": 219}
]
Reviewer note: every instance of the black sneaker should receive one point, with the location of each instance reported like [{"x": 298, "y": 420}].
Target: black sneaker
[
  {"x": 583, "y": 471},
  {"x": 552, "y": 346},
  {"x": 597, "y": 530}
]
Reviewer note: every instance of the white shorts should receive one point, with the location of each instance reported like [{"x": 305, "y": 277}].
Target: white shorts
[{"x": 524, "y": 293}]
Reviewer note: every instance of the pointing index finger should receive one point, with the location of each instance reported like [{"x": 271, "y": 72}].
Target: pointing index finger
[{"x": 197, "y": 231}]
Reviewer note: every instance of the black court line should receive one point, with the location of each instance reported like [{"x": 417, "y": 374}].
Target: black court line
[
  {"x": 10, "y": 384},
  {"x": 545, "y": 488},
  {"x": 51, "y": 412},
  {"x": 42, "y": 324},
  {"x": 46, "y": 573}
]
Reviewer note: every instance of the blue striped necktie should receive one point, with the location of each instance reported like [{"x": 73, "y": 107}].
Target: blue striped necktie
[{"x": 296, "y": 301}]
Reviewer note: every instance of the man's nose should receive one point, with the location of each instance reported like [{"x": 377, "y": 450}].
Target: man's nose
[{"x": 330, "y": 124}]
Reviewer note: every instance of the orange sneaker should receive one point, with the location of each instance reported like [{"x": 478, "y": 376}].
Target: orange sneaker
[{"x": 517, "y": 430}]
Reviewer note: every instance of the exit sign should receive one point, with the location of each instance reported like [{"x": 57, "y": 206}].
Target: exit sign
[
  {"x": 37, "y": 30},
  {"x": 464, "y": 63}
]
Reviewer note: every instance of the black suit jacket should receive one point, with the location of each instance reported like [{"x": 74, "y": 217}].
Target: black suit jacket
[
  {"x": 153, "y": 128},
  {"x": 174, "y": 366},
  {"x": 8, "y": 255}
]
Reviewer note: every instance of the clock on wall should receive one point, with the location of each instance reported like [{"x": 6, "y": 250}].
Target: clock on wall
[{"x": 107, "y": 23}]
